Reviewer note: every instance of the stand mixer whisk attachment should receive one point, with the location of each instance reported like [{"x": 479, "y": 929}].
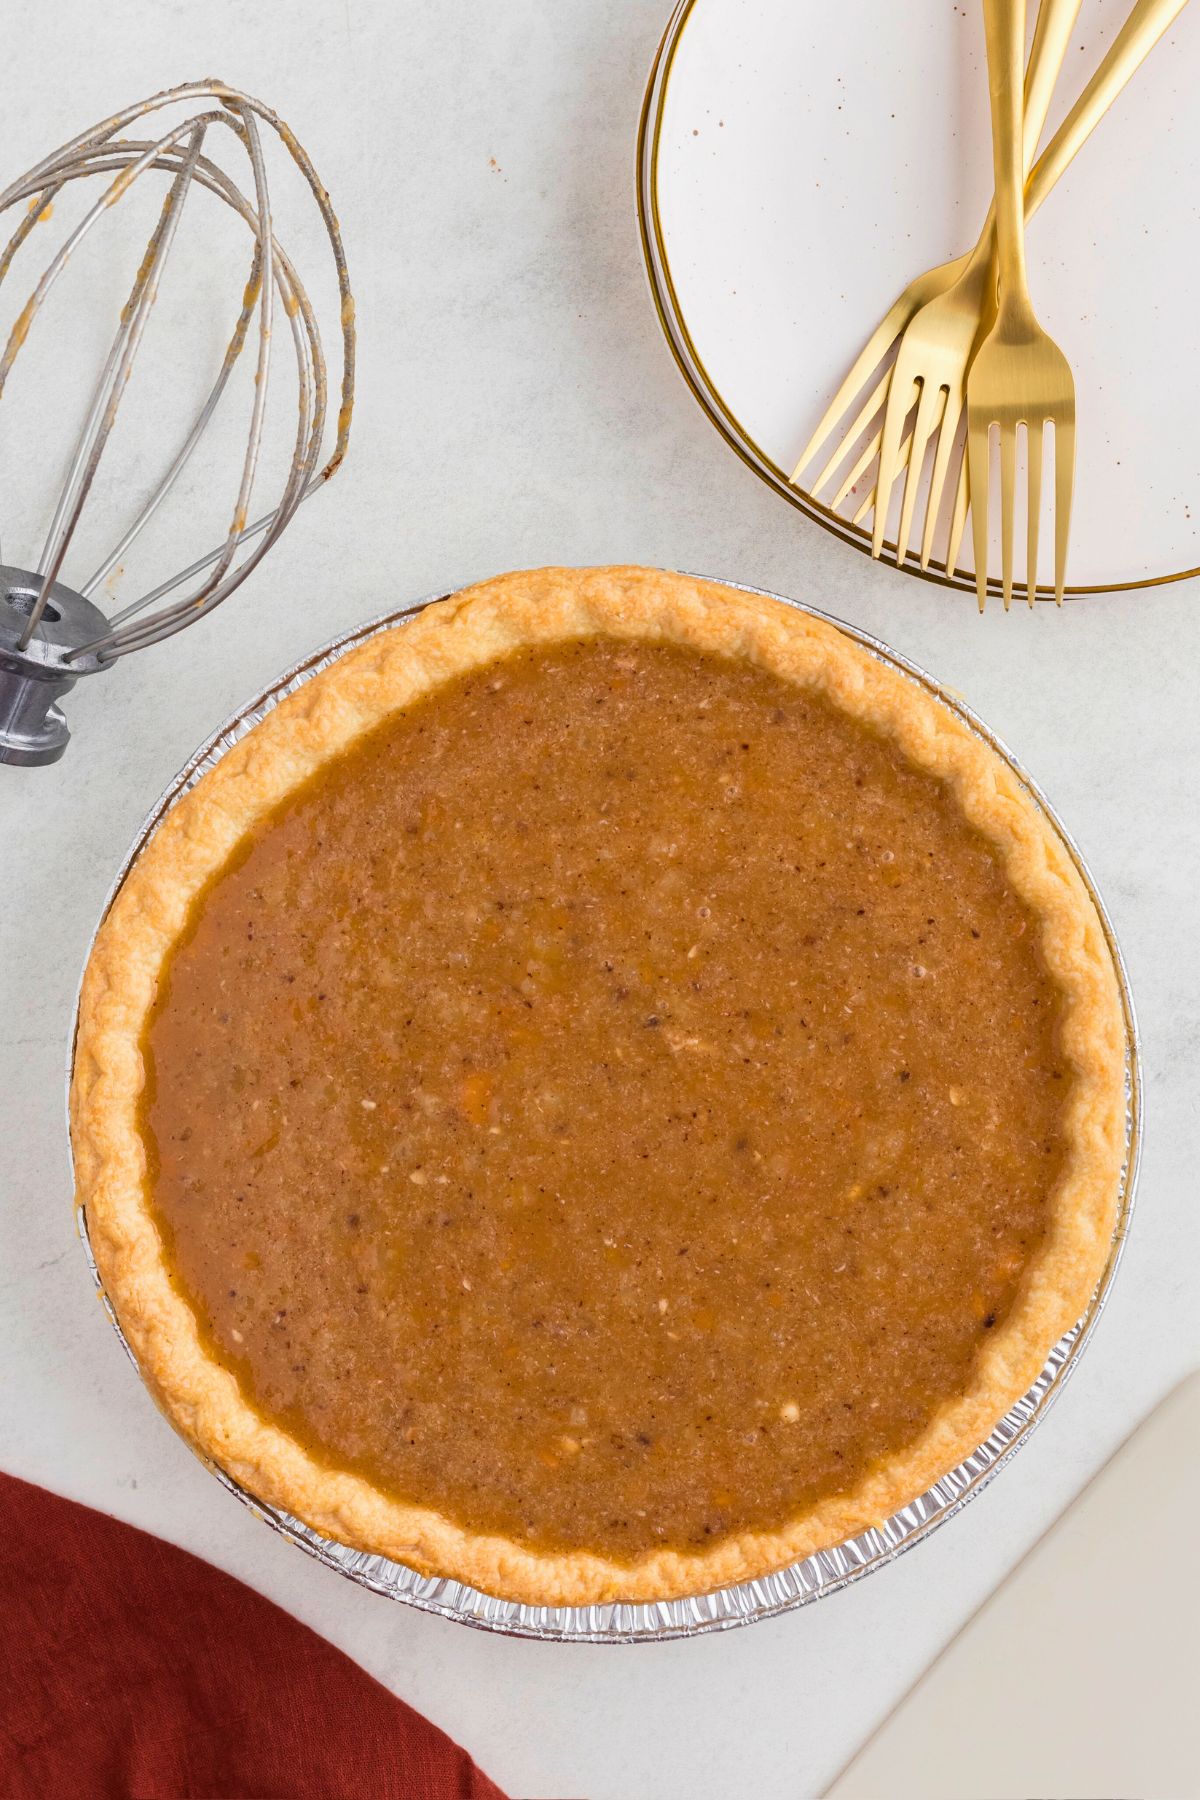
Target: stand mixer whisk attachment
[{"x": 52, "y": 633}]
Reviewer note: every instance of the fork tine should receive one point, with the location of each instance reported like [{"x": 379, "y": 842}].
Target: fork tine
[
  {"x": 1064, "y": 482},
  {"x": 1008, "y": 490},
  {"x": 851, "y": 435},
  {"x": 958, "y": 518},
  {"x": 857, "y": 470},
  {"x": 1033, "y": 454},
  {"x": 978, "y": 456},
  {"x": 872, "y": 495},
  {"x": 868, "y": 359},
  {"x": 951, "y": 414},
  {"x": 898, "y": 407},
  {"x": 929, "y": 413}
]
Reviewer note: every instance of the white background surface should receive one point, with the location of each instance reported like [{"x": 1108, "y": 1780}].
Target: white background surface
[{"x": 518, "y": 406}]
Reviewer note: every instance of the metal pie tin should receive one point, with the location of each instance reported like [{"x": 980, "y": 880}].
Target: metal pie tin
[{"x": 801, "y": 1582}]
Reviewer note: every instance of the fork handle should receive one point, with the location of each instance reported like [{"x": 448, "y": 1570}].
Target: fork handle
[
  {"x": 1133, "y": 43},
  {"x": 1004, "y": 29},
  {"x": 1051, "y": 35},
  {"x": 1055, "y": 21}
]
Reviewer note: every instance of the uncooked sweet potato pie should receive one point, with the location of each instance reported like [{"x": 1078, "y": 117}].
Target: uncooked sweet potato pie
[{"x": 609, "y": 1088}]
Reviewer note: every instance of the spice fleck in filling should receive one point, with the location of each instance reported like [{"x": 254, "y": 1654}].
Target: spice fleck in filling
[{"x": 610, "y": 1105}]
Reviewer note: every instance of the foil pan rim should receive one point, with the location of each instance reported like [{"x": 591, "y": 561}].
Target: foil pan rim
[{"x": 812, "y": 1578}]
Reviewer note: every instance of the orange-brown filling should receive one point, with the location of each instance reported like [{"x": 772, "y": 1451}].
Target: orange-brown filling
[{"x": 611, "y": 1105}]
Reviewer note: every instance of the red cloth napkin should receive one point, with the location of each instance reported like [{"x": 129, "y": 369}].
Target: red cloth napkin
[{"x": 130, "y": 1670}]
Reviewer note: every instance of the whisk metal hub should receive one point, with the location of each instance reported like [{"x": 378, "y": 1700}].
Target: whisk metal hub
[{"x": 34, "y": 677}]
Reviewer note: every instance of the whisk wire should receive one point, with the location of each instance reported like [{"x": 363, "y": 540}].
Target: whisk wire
[
  {"x": 313, "y": 401},
  {"x": 111, "y": 386}
]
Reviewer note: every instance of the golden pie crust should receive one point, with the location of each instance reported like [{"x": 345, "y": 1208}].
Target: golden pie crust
[{"x": 319, "y": 722}]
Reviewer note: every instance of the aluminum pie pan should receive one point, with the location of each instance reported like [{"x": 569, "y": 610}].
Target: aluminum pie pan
[{"x": 801, "y": 1582}]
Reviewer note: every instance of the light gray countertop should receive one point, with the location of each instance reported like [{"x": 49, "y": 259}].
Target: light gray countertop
[{"x": 518, "y": 406}]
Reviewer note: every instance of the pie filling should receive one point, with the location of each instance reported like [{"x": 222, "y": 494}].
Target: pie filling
[{"x": 610, "y": 1105}]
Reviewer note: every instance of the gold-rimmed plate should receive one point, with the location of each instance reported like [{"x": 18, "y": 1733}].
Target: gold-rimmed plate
[{"x": 798, "y": 164}]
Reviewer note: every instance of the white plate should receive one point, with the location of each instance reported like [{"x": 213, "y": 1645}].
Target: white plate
[{"x": 801, "y": 162}]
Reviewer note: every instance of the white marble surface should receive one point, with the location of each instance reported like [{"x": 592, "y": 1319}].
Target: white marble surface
[{"x": 518, "y": 406}]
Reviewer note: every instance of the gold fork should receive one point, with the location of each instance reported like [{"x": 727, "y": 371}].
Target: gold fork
[
  {"x": 1144, "y": 26},
  {"x": 1018, "y": 376},
  {"x": 935, "y": 349},
  {"x": 1045, "y": 59}
]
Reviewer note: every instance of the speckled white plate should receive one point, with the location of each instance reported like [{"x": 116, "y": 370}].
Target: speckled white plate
[{"x": 799, "y": 163}]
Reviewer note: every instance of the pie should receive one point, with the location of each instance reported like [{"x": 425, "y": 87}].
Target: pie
[{"x": 610, "y": 1088}]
